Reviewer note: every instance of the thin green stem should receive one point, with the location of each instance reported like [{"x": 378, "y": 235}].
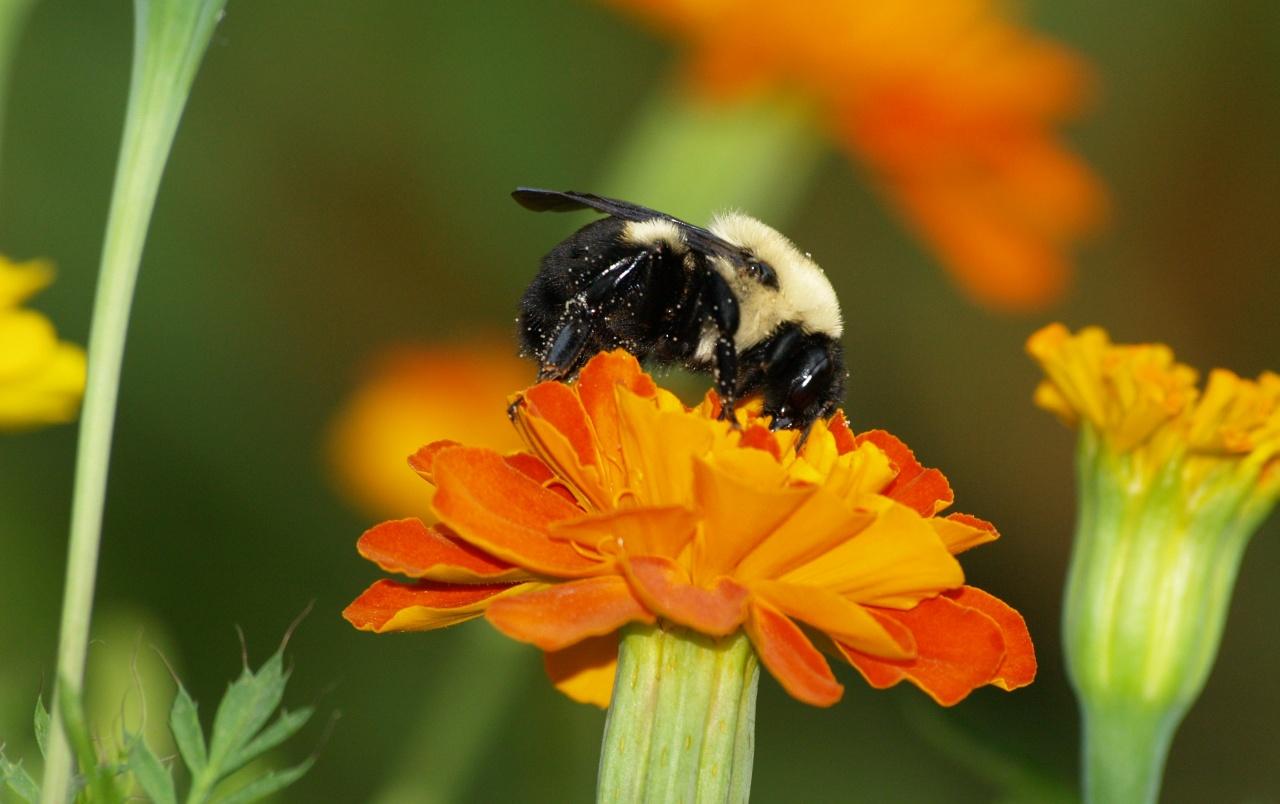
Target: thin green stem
[
  {"x": 1124, "y": 754},
  {"x": 170, "y": 39}
]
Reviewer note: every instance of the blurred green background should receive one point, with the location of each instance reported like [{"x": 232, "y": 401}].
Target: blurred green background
[{"x": 340, "y": 182}]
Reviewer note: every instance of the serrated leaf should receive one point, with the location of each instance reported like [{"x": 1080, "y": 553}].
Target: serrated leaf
[
  {"x": 150, "y": 773},
  {"x": 99, "y": 782},
  {"x": 41, "y": 725},
  {"x": 16, "y": 778},
  {"x": 184, "y": 722},
  {"x": 267, "y": 784},
  {"x": 282, "y": 729},
  {"x": 245, "y": 708}
]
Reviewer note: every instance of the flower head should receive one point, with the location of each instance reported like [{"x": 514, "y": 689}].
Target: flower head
[
  {"x": 412, "y": 395},
  {"x": 952, "y": 105},
  {"x": 629, "y": 507},
  {"x": 41, "y": 378},
  {"x": 1174, "y": 480}
]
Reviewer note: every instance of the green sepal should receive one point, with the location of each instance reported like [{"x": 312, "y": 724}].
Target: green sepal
[
  {"x": 267, "y": 784},
  {"x": 152, "y": 776},
  {"x": 41, "y": 725},
  {"x": 15, "y": 778},
  {"x": 184, "y": 722}
]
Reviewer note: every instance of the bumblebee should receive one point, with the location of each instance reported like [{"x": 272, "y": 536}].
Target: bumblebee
[{"x": 736, "y": 299}]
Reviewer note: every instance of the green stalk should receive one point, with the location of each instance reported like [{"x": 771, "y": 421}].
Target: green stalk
[
  {"x": 170, "y": 39},
  {"x": 681, "y": 726}
]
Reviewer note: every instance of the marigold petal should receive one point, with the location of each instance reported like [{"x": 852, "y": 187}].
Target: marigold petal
[
  {"x": 958, "y": 649},
  {"x": 585, "y": 671},
  {"x": 743, "y": 501},
  {"x": 505, "y": 513},
  {"x": 662, "y": 531},
  {"x": 1018, "y": 669},
  {"x": 823, "y": 522},
  {"x": 960, "y": 532},
  {"x": 658, "y": 448},
  {"x": 895, "y": 561},
  {"x": 924, "y": 490},
  {"x": 554, "y": 447},
  {"x": 409, "y": 547},
  {"x": 597, "y": 384},
  {"x": 422, "y": 606},
  {"x": 558, "y": 405},
  {"x": 558, "y": 616},
  {"x": 425, "y": 457},
  {"x": 789, "y": 655},
  {"x": 838, "y": 426},
  {"x": 664, "y": 587},
  {"x": 833, "y": 615}
]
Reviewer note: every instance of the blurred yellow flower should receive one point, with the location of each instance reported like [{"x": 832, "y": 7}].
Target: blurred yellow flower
[
  {"x": 951, "y": 104},
  {"x": 41, "y": 378},
  {"x": 413, "y": 395}
]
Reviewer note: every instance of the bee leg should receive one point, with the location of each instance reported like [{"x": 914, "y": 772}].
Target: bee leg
[
  {"x": 583, "y": 314},
  {"x": 723, "y": 306}
]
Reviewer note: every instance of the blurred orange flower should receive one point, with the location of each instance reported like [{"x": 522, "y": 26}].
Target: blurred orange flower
[
  {"x": 630, "y": 507},
  {"x": 413, "y": 395},
  {"x": 951, "y": 104}
]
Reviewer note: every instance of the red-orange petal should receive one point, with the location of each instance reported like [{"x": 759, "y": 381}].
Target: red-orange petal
[
  {"x": 422, "y": 460},
  {"x": 925, "y": 490},
  {"x": 557, "y": 404},
  {"x": 597, "y": 384},
  {"x": 559, "y": 616},
  {"x": 838, "y": 426},
  {"x": 409, "y": 547},
  {"x": 958, "y": 649},
  {"x": 585, "y": 671},
  {"x": 1019, "y": 666},
  {"x": 664, "y": 588},
  {"x": 422, "y": 606},
  {"x": 791, "y": 657},
  {"x": 505, "y": 513}
]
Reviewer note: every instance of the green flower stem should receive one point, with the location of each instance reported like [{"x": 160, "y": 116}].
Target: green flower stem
[
  {"x": 170, "y": 39},
  {"x": 692, "y": 157},
  {"x": 1147, "y": 596},
  {"x": 681, "y": 726}
]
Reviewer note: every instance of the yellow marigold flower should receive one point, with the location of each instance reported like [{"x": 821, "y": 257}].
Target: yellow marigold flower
[
  {"x": 1174, "y": 480},
  {"x": 413, "y": 395},
  {"x": 951, "y": 104},
  {"x": 41, "y": 378}
]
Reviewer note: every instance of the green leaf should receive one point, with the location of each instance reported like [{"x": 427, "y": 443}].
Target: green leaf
[
  {"x": 99, "y": 782},
  {"x": 267, "y": 784},
  {"x": 16, "y": 778},
  {"x": 184, "y": 722},
  {"x": 285, "y": 727},
  {"x": 245, "y": 708},
  {"x": 151, "y": 775},
  {"x": 41, "y": 725}
]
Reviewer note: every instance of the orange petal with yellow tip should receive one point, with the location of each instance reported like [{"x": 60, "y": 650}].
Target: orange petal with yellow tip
[
  {"x": 1018, "y": 669},
  {"x": 960, "y": 532},
  {"x": 558, "y": 616},
  {"x": 505, "y": 513},
  {"x": 422, "y": 460},
  {"x": 925, "y": 490},
  {"x": 597, "y": 384},
  {"x": 662, "y": 531},
  {"x": 585, "y": 671},
  {"x": 422, "y": 606},
  {"x": 958, "y": 648},
  {"x": 409, "y": 547},
  {"x": 665, "y": 589},
  {"x": 838, "y": 426},
  {"x": 789, "y": 655}
]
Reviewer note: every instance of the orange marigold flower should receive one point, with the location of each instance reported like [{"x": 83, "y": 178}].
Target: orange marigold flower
[
  {"x": 952, "y": 105},
  {"x": 631, "y": 508},
  {"x": 412, "y": 395}
]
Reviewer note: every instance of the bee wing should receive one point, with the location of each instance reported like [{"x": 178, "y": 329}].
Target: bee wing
[{"x": 699, "y": 239}]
